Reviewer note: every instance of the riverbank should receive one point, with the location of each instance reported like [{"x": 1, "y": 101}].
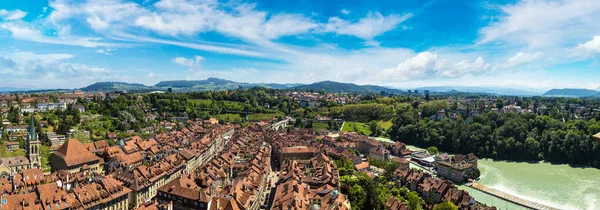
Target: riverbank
[{"x": 556, "y": 185}]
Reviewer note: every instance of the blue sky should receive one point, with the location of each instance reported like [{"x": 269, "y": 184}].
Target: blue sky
[{"x": 529, "y": 44}]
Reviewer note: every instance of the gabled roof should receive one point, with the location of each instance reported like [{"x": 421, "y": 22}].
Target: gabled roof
[{"x": 74, "y": 153}]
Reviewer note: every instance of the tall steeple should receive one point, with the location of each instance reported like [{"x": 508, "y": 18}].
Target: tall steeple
[
  {"x": 32, "y": 134},
  {"x": 33, "y": 146}
]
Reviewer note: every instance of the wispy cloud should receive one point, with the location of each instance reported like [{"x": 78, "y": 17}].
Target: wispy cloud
[
  {"x": 374, "y": 24},
  {"x": 31, "y": 70},
  {"x": 27, "y": 32},
  {"x": 536, "y": 23},
  {"x": 12, "y": 15}
]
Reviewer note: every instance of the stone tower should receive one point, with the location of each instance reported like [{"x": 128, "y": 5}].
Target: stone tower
[{"x": 33, "y": 146}]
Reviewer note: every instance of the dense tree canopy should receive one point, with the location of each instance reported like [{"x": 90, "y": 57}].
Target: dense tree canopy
[{"x": 508, "y": 136}]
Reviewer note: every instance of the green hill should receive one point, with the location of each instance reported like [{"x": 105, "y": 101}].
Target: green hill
[
  {"x": 571, "y": 92},
  {"x": 116, "y": 86},
  {"x": 338, "y": 87}
]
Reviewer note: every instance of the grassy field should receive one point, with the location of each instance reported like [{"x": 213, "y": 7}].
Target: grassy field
[
  {"x": 82, "y": 138},
  {"x": 229, "y": 118},
  {"x": 385, "y": 124},
  {"x": 317, "y": 126},
  {"x": 360, "y": 128},
  {"x": 6, "y": 153},
  {"x": 349, "y": 126},
  {"x": 208, "y": 102},
  {"x": 260, "y": 116}
]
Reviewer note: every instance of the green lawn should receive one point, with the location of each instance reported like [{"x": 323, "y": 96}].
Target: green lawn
[
  {"x": 6, "y": 153},
  {"x": 349, "y": 127},
  {"x": 82, "y": 138},
  {"x": 385, "y": 124},
  {"x": 260, "y": 116},
  {"x": 317, "y": 126},
  {"x": 229, "y": 118},
  {"x": 208, "y": 102},
  {"x": 360, "y": 128}
]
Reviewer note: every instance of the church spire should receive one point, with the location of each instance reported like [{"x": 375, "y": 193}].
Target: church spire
[{"x": 32, "y": 134}]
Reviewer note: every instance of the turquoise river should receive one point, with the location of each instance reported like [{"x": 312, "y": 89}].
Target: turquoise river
[{"x": 557, "y": 185}]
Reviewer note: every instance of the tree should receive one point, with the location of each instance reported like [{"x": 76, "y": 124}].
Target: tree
[
  {"x": 499, "y": 103},
  {"x": 322, "y": 92},
  {"x": 414, "y": 201},
  {"x": 433, "y": 150},
  {"x": 446, "y": 205},
  {"x": 375, "y": 128},
  {"x": 357, "y": 196}
]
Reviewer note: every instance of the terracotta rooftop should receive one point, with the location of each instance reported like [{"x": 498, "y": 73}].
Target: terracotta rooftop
[
  {"x": 361, "y": 166},
  {"x": 74, "y": 153}
]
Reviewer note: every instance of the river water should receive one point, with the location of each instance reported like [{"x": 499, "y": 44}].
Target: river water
[{"x": 557, "y": 185}]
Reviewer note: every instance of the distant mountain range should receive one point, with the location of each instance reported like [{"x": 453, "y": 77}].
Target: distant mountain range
[
  {"x": 482, "y": 90},
  {"x": 114, "y": 86},
  {"x": 328, "y": 86},
  {"x": 338, "y": 87},
  {"x": 571, "y": 92},
  {"x": 180, "y": 85},
  {"x": 217, "y": 84},
  {"x": 10, "y": 89}
]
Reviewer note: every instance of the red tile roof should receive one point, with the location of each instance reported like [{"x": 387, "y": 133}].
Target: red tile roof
[{"x": 74, "y": 153}]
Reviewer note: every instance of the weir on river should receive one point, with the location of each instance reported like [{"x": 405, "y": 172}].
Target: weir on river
[
  {"x": 559, "y": 186},
  {"x": 510, "y": 198}
]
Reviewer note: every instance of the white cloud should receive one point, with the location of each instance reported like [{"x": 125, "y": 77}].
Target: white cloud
[
  {"x": 345, "y": 11},
  {"x": 105, "y": 51},
  {"x": 229, "y": 49},
  {"x": 465, "y": 67},
  {"x": 176, "y": 17},
  {"x": 27, "y": 32},
  {"x": 27, "y": 69},
  {"x": 98, "y": 14},
  {"x": 421, "y": 66},
  {"x": 374, "y": 24},
  {"x": 522, "y": 58},
  {"x": 287, "y": 24},
  {"x": 587, "y": 49},
  {"x": 428, "y": 65},
  {"x": 151, "y": 75},
  {"x": 537, "y": 23},
  {"x": 12, "y": 14},
  {"x": 192, "y": 64},
  {"x": 23, "y": 57}
]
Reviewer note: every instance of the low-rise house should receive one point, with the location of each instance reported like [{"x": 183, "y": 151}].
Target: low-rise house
[
  {"x": 296, "y": 153},
  {"x": 79, "y": 107},
  {"x": 379, "y": 153},
  {"x": 56, "y": 139},
  {"x": 444, "y": 157},
  {"x": 393, "y": 203},
  {"x": 26, "y": 201},
  {"x": 184, "y": 193},
  {"x": 12, "y": 165},
  {"x": 16, "y": 128},
  {"x": 18, "y": 136},
  {"x": 362, "y": 167},
  {"x": 12, "y": 145},
  {"x": 459, "y": 168},
  {"x": 74, "y": 157},
  {"x": 27, "y": 110}
]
